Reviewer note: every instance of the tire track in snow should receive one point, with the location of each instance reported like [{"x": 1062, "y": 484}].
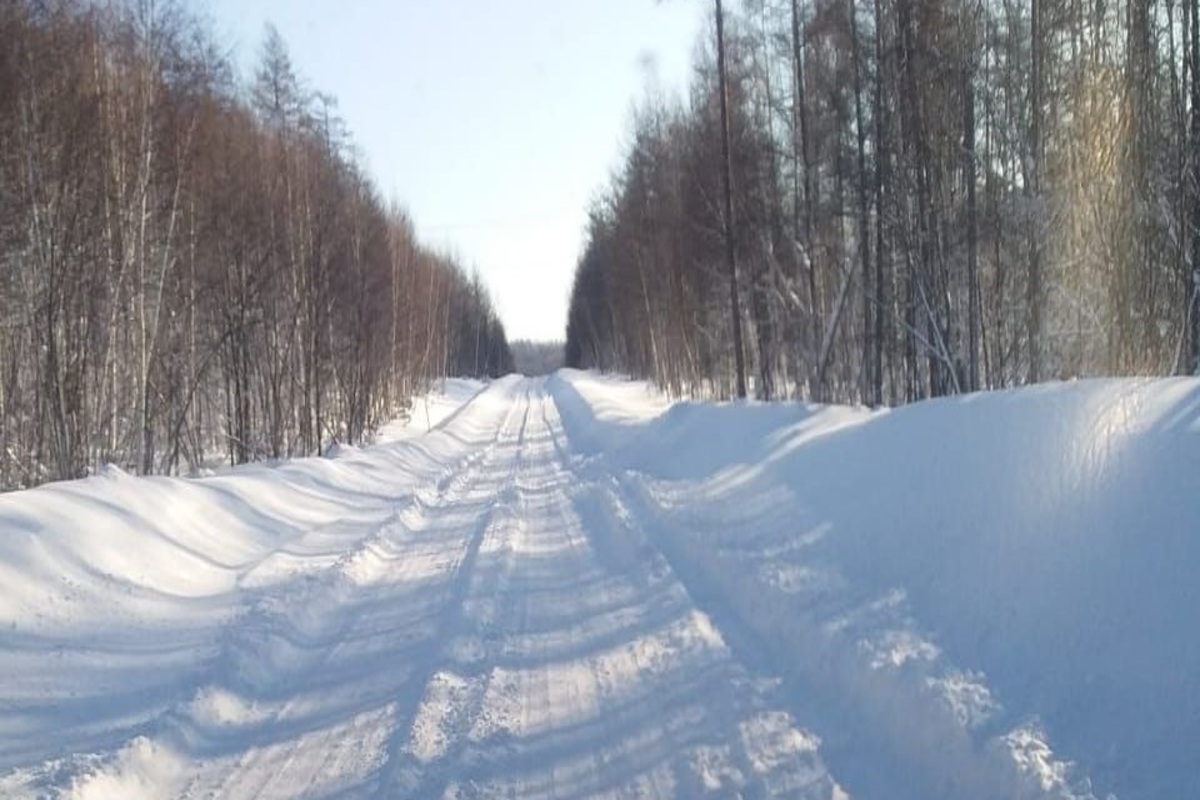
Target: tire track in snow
[
  {"x": 513, "y": 636},
  {"x": 256, "y": 725},
  {"x": 765, "y": 753},
  {"x": 590, "y": 674},
  {"x": 400, "y": 773},
  {"x": 847, "y": 673},
  {"x": 892, "y": 735},
  {"x": 459, "y": 732},
  {"x": 449, "y": 494}
]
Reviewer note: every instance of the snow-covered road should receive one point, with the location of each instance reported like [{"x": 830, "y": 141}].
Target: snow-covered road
[
  {"x": 569, "y": 588},
  {"x": 498, "y": 635}
]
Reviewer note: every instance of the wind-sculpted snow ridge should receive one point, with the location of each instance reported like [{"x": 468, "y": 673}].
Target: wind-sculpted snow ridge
[
  {"x": 570, "y": 587},
  {"x": 130, "y": 605},
  {"x": 989, "y": 596}
]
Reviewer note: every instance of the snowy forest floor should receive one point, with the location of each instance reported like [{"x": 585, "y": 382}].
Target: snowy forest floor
[{"x": 570, "y": 587}]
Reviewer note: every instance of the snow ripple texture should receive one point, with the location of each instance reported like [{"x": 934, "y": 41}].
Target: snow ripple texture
[{"x": 570, "y": 587}]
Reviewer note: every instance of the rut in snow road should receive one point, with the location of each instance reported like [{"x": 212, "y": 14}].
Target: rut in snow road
[
  {"x": 497, "y": 630},
  {"x": 579, "y": 666}
]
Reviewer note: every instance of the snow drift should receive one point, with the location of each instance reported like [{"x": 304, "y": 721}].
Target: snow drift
[
  {"x": 122, "y": 596},
  {"x": 1007, "y": 577}
]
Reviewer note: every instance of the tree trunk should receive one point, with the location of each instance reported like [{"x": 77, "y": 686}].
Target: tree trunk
[
  {"x": 1033, "y": 194},
  {"x": 864, "y": 225},
  {"x": 803, "y": 156},
  {"x": 739, "y": 357},
  {"x": 1193, "y": 279},
  {"x": 882, "y": 156},
  {"x": 972, "y": 227}
]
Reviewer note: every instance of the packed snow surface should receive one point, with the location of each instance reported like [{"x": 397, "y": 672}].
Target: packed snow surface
[
  {"x": 569, "y": 587},
  {"x": 432, "y": 410}
]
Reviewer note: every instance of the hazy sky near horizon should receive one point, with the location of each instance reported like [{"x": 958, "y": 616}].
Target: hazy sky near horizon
[{"x": 494, "y": 124}]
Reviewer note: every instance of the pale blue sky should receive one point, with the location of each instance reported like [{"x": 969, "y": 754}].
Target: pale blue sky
[{"x": 494, "y": 123}]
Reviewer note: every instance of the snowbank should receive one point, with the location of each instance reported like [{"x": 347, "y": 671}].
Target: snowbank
[
  {"x": 119, "y": 593},
  {"x": 431, "y": 410},
  {"x": 1004, "y": 585}
]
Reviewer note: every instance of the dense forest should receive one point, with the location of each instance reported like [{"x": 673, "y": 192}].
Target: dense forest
[
  {"x": 879, "y": 201},
  {"x": 194, "y": 269},
  {"x": 537, "y": 358}
]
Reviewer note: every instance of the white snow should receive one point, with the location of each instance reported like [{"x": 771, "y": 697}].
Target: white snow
[
  {"x": 571, "y": 587},
  {"x": 431, "y": 410}
]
